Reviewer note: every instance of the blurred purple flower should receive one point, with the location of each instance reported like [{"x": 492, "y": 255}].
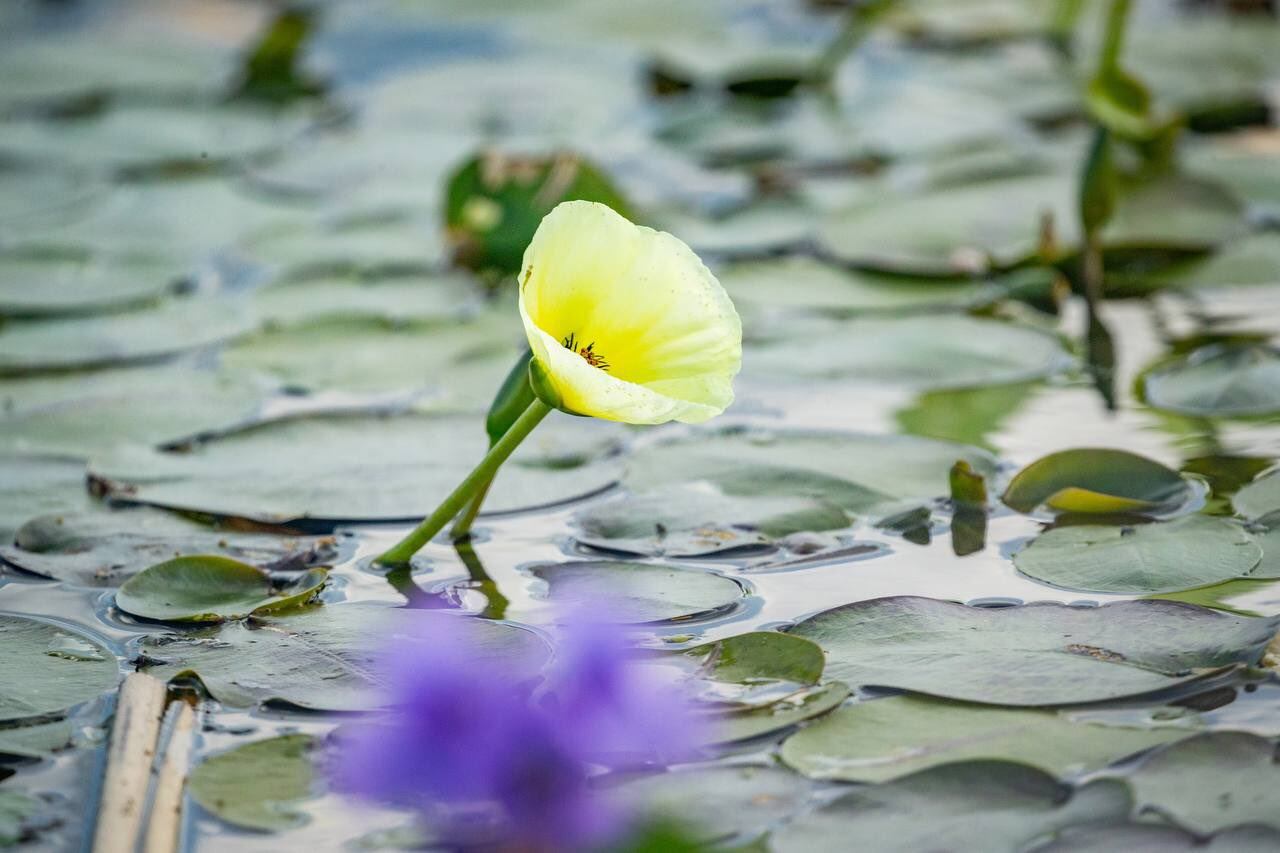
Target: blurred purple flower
[{"x": 467, "y": 738}]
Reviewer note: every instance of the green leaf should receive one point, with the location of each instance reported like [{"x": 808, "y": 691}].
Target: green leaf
[
  {"x": 1098, "y": 185},
  {"x": 1212, "y": 781},
  {"x": 46, "y": 283},
  {"x": 494, "y": 203},
  {"x": 394, "y": 300},
  {"x": 15, "y": 808},
  {"x": 106, "y": 548},
  {"x": 1095, "y": 481},
  {"x": 258, "y": 785},
  {"x": 1165, "y": 556},
  {"x": 513, "y": 397},
  {"x": 1217, "y": 381},
  {"x": 880, "y": 740},
  {"x": 965, "y": 415},
  {"x": 38, "y": 484},
  {"x": 758, "y": 656},
  {"x": 271, "y": 73},
  {"x": 319, "y": 471},
  {"x": 320, "y": 659},
  {"x": 46, "y": 668},
  {"x": 1259, "y": 498},
  {"x": 212, "y": 589},
  {"x": 36, "y": 741},
  {"x": 786, "y": 712},
  {"x": 974, "y": 805},
  {"x": 1032, "y": 654},
  {"x": 1165, "y": 839},
  {"x": 640, "y": 593}
]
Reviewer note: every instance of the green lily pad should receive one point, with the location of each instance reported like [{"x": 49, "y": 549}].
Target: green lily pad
[
  {"x": 321, "y": 659},
  {"x": 960, "y": 229},
  {"x": 106, "y": 548},
  {"x": 1157, "y": 838},
  {"x": 175, "y": 326},
  {"x": 695, "y": 520},
  {"x": 965, "y": 415},
  {"x": 15, "y": 808},
  {"x": 82, "y": 414},
  {"x": 392, "y": 244},
  {"x": 1163, "y": 557},
  {"x": 789, "y": 711},
  {"x": 47, "y": 668},
  {"x": 1251, "y": 260},
  {"x": 1243, "y": 596},
  {"x": 926, "y": 352},
  {"x": 640, "y": 593},
  {"x": 38, "y": 284},
  {"x": 1211, "y": 781},
  {"x": 1095, "y": 481},
  {"x": 1259, "y": 498},
  {"x": 884, "y": 739},
  {"x": 323, "y": 470},
  {"x": 1217, "y": 381},
  {"x": 1033, "y": 654},
  {"x": 1175, "y": 212},
  {"x": 37, "y": 741},
  {"x": 974, "y": 805},
  {"x": 719, "y": 803},
  {"x": 858, "y": 474},
  {"x": 258, "y": 785},
  {"x": 398, "y": 299},
  {"x": 212, "y": 589},
  {"x": 759, "y": 656},
  {"x": 810, "y": 285},
  {"x": 1243, "y": 161},
  {"x": 38, "y": 484}
]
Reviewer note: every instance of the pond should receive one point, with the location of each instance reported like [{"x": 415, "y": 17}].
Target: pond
[{"x": 984, "y": 555}]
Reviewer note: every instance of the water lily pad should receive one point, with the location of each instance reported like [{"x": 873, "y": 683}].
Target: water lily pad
[
  {"x": 789, "y": 711},
  {"x": 15, "y": 807},
  {"x": 47, "y": 668},
  {"x": 38, "y": 484},
  {"x": 759, "y": 656},
  {"x": 859, "y": 474},
  {"x": 36, "y": 741},
  {"x": 377, "y": 246},
  {"x": 696, "y": 520},
  {"x": 37, "y": 283},
  {"x": 927, "y": 352},
  {"x": 1033, "y": 654},
  {"x": 183, "y": 324},
  {"x": 1217, "y": 381},
  {"x": 638, "y": 593},
  {"x": 321, "y": 659},
  {"x": 1251, "y": 260},
  {"x": 210, "y": 589},
  {"x": 887, "y": 738},
  {"x": 1212, "y": 781},
  {"x": 974, "y": 805},
  {"x": 1163, "y": 557},
  {"x": 106, "y": 548},
  {"x": 1095, "y": 481},
  {"x": 1259, "y": 498},
  {"x": 398, "y": 299},
  {"x": 258, "y": 785},
  {"x": 1243, "y": 161},
  {"x": 1175, "y": 212},
  {"x": 952, "y": 230},
  {"x": 1157, "y": 838},
  {"x": 322, "y": 470},
  {"x": 718, "y": 803}
]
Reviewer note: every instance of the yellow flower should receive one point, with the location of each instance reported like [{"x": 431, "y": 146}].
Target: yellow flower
[{"x": 625, "y": 323}]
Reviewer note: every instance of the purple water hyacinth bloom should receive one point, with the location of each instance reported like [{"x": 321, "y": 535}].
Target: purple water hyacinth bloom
[{"x": 487, "y": 754}]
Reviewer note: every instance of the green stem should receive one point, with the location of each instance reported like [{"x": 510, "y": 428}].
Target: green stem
[
  {"x": 403, "y": 551},
  {"x": 1113, "y": 41},
  {"x": 462, "y": 527}
]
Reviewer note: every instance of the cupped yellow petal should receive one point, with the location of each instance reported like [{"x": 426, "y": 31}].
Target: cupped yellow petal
[{"x": 626, "y": 323}]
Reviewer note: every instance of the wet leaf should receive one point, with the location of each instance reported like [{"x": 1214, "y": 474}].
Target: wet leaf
[
  {"x": 35, "y": 283},
  {"x": 1095, "y": 481},
  {"x": 36, "y": 741},
  {"x": 34, "y": 485},
  {"x": 1163, "y": 557},
  {"x": 988, "y": 805},
  {"x": 399, "y": 299},
  {"x": 1211, "y": 781},
  {"x": 640, "y": 593},
  {"x": 46, "y": 668},
  {"x": 321, "y": 659},
  {"x": 786, "y": 712},
  {"x": 883, "y": 739},
  {"x": 1165, "y": 839},
  {"x": 759, "y": 656},
  {"x": 322, "y": 470},
  {"x": 207, "y": 588},
  {"x": 1033, "y": 654},
  {"x": 258, "y": 785},
  {"x": 1259, "y": 498},
  {"x": 1217, "y": 381}
]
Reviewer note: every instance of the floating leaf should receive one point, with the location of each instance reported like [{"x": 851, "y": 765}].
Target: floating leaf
[
  {"x": 46, "y": 668},
  {"x": 637, "y": 593},
  {"x": 1217, "y": 381},
  {"x": 322, "y": 659},
  {"x": 323, "y": 470},
  {"x": 875, "y": 741},
  {"x": 15, "y": 808},
  {"x": 36, "y": 283},
  {"x": 950, "y": 351},
  {"x": 1033, "y": 654},
  {"x": 965, "y": 415},
  {"x": 875, "y": 475},
  {"x": 1163, "y": 557},
  {"x": 987, "y": 805},
  {"x": 38, "y": 484},
  {"x": 1165, "y": 839},
  {"x": 1212, "y": 781},
  {"x": 36, "y": 741},
  {"x": 258, "y": 785},
  {"x": 1251, "y": 260},
  {"x": 210, "y": 589},
  {"x": 1095, "y": 481},
  {"x": 759, "y": 656},
  {"x": 717, "y": 803},
  {"x": 104, "y": 549},
  {"x": 789, "y": 711},
  {"x": 398, "y": 299},
  {"x": 1259, "y": 498}
]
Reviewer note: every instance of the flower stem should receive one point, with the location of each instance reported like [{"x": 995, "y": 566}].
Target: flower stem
[
  {"x": 480, "y": 477},
  {"x": 462, "y": 527}
]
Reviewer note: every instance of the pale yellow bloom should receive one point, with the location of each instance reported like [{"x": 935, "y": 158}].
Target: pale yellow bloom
[{"x": 625, "y": 323}]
